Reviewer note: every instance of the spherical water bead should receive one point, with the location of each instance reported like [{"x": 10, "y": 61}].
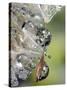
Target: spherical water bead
[
  {"x": 45, "y": 71},
  {"x": 23, "y": 74},
  {"x": 14, "y": 82},
  {"x": 33, "y": 65}
]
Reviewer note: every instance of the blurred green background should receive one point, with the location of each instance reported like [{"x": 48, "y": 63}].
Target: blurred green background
[{"x": 56, "y": 50}]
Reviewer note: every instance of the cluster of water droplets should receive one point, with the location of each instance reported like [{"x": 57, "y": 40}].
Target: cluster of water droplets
[{"x": 34, "y": 38}]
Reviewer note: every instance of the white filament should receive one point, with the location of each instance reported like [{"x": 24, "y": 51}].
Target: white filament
[{"x": 48, "y": 12}]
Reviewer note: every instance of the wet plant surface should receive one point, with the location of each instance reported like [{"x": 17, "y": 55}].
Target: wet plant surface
[{"x": 34, "y": 32}]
